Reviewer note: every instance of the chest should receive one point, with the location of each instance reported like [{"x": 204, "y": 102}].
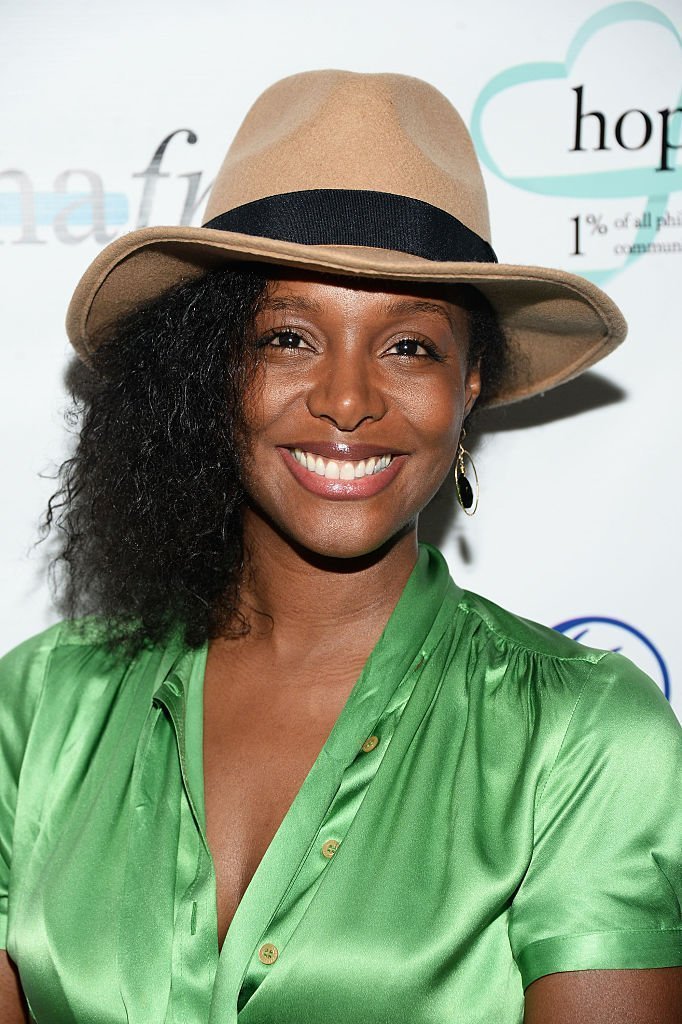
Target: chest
[
  {"x": 110, "y": 912},
  {"x": 259, "y": 746}
]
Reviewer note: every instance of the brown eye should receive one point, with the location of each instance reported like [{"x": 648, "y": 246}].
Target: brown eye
[
  {"x": 287, "y": 339},
  {"x": 410, "y": 348},
  {"x": 290, "y": 340}
]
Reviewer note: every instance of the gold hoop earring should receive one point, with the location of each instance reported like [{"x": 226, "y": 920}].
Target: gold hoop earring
[{"x": 465, "y": 492}]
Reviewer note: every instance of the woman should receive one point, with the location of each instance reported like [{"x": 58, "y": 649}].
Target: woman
[{"x": 286, "y": 769}]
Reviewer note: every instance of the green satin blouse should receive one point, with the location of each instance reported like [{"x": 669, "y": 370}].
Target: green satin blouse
[{"x": 494, "y": 803}]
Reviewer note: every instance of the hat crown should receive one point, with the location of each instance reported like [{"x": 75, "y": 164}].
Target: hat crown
[{"x": 347, "y": 130}]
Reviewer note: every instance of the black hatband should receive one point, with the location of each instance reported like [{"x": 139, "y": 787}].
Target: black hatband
[{"x": 340, "y": 216}]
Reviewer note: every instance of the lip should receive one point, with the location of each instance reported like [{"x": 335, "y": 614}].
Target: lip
[
  {"x": 342, "y": 450},
  {"x": 343, "y": 490}
]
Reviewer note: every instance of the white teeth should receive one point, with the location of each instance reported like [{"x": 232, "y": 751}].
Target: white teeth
[{"x": 334, "y": 470}]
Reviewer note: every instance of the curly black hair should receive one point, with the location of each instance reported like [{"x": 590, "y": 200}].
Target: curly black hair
[{"x": 148, "y": 513}]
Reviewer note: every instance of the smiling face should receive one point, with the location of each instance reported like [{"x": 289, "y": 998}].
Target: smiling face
[{"x": 355, "y": 411}]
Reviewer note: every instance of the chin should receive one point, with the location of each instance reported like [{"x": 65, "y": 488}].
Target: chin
[
  {"x": 346, "y": 559},
  {"x": 349, "y": 540},
  {"x": 344, "y": 549}
]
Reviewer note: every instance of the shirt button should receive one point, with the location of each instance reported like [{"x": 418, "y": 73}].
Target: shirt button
[
  {"x": 329, "y": 848},
  {"x": 268, "y": 953},
  {"x": 370, "y": 743}
]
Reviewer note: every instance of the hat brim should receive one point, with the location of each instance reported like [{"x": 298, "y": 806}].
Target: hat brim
[{"x": 559, "y": 324}]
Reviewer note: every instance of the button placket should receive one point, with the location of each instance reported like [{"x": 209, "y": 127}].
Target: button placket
[
  {"x": 195, "y": 946},
  {"x": 324, "y": 848},
  {"x": 332, "y": 831},
  {"x": 170, "y": 697},
  {"x": 148, "y": 903}
]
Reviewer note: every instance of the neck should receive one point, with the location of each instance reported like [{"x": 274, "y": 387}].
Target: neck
[{"x": 294, "y": 598}]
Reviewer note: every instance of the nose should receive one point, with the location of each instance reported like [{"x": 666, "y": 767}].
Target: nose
[{"x": 346, "y": 392}]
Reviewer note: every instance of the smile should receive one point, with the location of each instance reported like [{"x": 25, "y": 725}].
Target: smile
[
  {"x": 333, "y": 469},
  {"x": 342, "y": 479}
]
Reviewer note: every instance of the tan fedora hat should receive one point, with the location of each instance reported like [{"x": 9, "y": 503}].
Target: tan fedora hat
[{"x": 369, "y": 175}]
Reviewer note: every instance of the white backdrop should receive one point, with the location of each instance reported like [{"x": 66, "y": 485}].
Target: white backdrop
[{"x": 580, "y": 491}]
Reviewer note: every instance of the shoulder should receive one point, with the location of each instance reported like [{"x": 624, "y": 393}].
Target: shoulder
[
  {"x": 28, "y": 662},
  {"x": 65, "y": 680},
  {"x": 556, "y": 681},
  {"x": 530, "y": 643},
  {"x": 64, "y": 664},
  {"x": 525, "y": 634},
  {"x": 534, "y": 666},
  {"x": 23, "y": 669}
]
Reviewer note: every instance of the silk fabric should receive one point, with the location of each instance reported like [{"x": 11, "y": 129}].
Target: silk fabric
[{"x": 519, "y": 814}]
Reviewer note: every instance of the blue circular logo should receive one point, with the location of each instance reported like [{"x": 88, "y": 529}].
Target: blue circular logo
[{"x": 614, "y": 635}]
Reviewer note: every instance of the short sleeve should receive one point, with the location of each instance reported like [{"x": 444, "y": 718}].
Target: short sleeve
[
  {"x": 22, "y": 672},
  {"x": 604, "y": 884}
]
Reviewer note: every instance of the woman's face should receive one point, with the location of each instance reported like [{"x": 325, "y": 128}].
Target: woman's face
[{"x": 356, "y": 408}]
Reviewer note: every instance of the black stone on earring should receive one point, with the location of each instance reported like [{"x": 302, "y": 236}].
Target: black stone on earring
[{"x": 466, "y": 493}]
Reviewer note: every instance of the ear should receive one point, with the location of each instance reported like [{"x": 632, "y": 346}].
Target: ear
[{"x": 472, "y": 387}]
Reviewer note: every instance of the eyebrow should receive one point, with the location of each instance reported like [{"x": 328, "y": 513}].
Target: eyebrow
[
  {"x": 396, "y": 307},
  {"x": 406, "y": 307},
  {"x": 286, "y": 302}
]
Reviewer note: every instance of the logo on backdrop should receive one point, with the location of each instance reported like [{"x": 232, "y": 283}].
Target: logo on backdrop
[
  {"x": 602, "y": 128},
  {"x": 615, "y": 635},
  {"x": 78, "y": 207}
]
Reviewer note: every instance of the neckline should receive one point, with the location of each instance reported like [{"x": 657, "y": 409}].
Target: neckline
[
  {"x": 411, "y": 617},
  {"x": 400, "y": 642}
]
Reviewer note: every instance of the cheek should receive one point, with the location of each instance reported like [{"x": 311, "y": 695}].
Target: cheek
[
  {"x": 270, "y": 396},
  {"x": 435, "y": 414},
  {"x": 440, "y": 411}
]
